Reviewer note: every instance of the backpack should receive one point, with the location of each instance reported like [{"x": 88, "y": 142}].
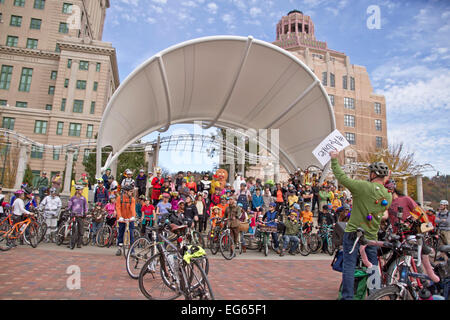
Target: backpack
[{"x": 360, "y": 285}]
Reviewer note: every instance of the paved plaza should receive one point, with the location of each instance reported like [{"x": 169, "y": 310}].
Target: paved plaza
[{"x": 40, "y": 273}]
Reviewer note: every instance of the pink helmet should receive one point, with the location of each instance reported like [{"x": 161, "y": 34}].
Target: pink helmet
[{"x": 19, "y": 192}]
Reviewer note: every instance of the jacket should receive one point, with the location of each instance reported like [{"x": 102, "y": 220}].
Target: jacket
[
  {"x": 233, "y": 214},
  {"x": 51, "y": 206},
  {"x": 101, "y": 195},
  {"x": 292, "y": 228},
  {"x": 125, "y": 207}
]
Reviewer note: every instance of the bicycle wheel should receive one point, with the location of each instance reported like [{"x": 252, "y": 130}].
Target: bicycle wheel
[
  {"x": 86, "y": 236},
  {"x": 315, "y": 243},
  {"x": 393, "y": 272},
  {"x": 266, "y": 246},
  {"x": 154, "y": 277},
  {"x": 104, "y": 235},
  {"x": 60, "y": 235},
  {"x": 140, "y": 251},
  {"x": 330, "y": 246},
  {"x": 226, "y": 242},
  {"x": 197, "y": 239},
  {"x": 198, "y": 281},
  {"x": 42, "y": 230},
  {"x": 389, "y": 293},
  {"x": 4, "y": 243},
  {"x": 73, "y": 235},
  {"x": 31, "y": 235},
  {"x": 303, "y": 247}
]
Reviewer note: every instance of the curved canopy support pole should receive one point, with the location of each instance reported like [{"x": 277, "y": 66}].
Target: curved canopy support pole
[
  {"x": 167, "y": 92},
  {"x": 233, "y": 85},
  {"x": 325, "y": 172}
]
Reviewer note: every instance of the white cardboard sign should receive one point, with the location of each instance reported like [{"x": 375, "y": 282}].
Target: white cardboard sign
[{"x": 335, "y": 141}]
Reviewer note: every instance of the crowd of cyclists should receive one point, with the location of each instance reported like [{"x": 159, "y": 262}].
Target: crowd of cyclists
[{"x": 290, "y": 207}]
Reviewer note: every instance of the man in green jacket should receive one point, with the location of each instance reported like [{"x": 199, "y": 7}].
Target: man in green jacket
[
  {"x": 370, "y": 203},
  {"x": 291, "y": 234},
  {"x": 42, "y": 186}
]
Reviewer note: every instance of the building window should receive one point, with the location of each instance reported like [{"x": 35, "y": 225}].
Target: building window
[
  {"x": 53, "y": 75},
  {"x": 19, "y": 3},
  {"x": 379, "y": 142},
  {"x": 32, "y": 43},
  {"x": 349, "y": 160},
  {"x": 331, "y": 99},
  {"x": 75, "y": 129},
  {"x": 39, "y": 4},
  {"x": 51, "y": 90},
  {"x": 63, "y": 104},
  {"x": 25, "y": 80},
  {"x": 66, "y": 83},
  {"x": 352, "y": 83},
  {"x": 56, "y": 153},
  {"x": 3, "y": 103},
  {"x": 81, "y": 84},
  {"x": 350, "y": 137},
  {"x": 98, "y": 67},
  {"x": 57, "y": 48},
  {"x": 95, "y": 86},
  {"x": 49, "y": 107},
  {"x": 349, "y": 103},
  {"x": 35, "y": 24},
  {"x": 40, "y": 127},
  {"x": 16, "y": 21},
  {"x": 86, "y": 154},
  {"x": 63, "y": 27},
  {"x": 67, "y": 8},
  {"x": 37, "y": 153},
  {"x": 84, "y": 65},
  {"x": 332, "y": 81},
  {"x": 78, "y": 106},
  {"x": 21, "y": 104},
  {"x": 377, "y": 108},
  {"x": 60, "y": 128},
  {"x": 349, "y": 121},
  {"x": 89, "y": 131},
  {"x": 378, "y": 125},
  {"x": 92, "y": 107},
  {"x": 69, "y": 63},
  {"x": 324, "y": 78},
  {"x": 8, "y": 123},
  {"x": 5, "y": 77},
  {"x": 11, "y": 41},
  {"x": 344, "y": 82}
]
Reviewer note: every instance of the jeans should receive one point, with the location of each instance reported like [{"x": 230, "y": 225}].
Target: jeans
[
  {"x": 287, "y": 239},
  {"x": 122, "y": 227},
  {"x": 349, "y": 264},
  {"x": 95, "y": 227},
  {"x": 275, "y": 239}
]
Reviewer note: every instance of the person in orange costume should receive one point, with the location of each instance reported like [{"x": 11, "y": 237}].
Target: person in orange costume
[{"x": 126, "y": 212}]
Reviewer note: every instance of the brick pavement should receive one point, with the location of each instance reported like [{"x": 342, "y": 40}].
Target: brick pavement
[{"x": 40, "y": 273}]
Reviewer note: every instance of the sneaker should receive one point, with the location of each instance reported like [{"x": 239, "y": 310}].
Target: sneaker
[
  {"x": 277, "y": 251},
  {"x": 282, "y": 253},
  {"x": 78, "y": 245},
  {"x": 119, "y": 252},
  {"x": 291, "y": 253}
]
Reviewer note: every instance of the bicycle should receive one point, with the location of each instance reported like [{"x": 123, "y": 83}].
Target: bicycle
[
  {"x": 264, "y": 232},
  {"x": 68, "y": 231},
  {"x": 140, "y": 251},
  {"x": 214, "y": 236},
  {"x": 24, "y": 229},
  {"x": 405, "y": 288},
  {"x": 226, "y": 242},
  {"x": 304, "y": 237},
  {"x": 171, "y": 274},
  {"x": 324, "y": 235}
]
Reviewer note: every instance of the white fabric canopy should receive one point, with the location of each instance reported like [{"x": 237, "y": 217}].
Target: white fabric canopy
[{"x": 228, "y": 82}]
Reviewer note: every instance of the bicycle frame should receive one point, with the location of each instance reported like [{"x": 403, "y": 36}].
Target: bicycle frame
[{"x": 18, "y": 228}]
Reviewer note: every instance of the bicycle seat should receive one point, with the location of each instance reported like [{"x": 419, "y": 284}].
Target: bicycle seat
[
  {"x": 445, "y": 248},
  {"x": 176, "y": 228}
]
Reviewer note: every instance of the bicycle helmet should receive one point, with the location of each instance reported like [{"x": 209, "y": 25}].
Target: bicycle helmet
[
  {"x": 128, "y": 171},
  {"x": 142, "y": 197},
  {"x": 127, "y": 188},
  {"x": 112, "y": 196},
  {"x": 19, "y": 192},
  {"x": 272, "y": 204},
  {"x": 79, "y": 187},
  {"x": 99, "y": 204},
  {"x": 100, "y": 181},
  {"x": 379, "y": 168},
  {"x": 391, "y": 185},
  {"x": 52, "y": 190},
  {"x": 444, "y": 203},
  {"x": 296, "y": 206}
]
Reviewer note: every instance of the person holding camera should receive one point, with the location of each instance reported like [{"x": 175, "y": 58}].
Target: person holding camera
[{"x": 291, "y": 235}]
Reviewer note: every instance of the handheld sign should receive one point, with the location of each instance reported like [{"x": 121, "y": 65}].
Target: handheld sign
[{"x": 335, "y": 141}]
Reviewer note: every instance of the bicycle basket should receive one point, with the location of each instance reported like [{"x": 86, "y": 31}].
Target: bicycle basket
[{"x": 270, "y": 229}]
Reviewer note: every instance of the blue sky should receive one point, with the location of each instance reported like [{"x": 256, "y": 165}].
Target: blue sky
[{"x": 408, "y": 58}]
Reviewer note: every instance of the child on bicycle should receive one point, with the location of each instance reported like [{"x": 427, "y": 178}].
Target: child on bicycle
[
  {"x": 110, "y": 209},
  {"x": 98, "y": 215}
]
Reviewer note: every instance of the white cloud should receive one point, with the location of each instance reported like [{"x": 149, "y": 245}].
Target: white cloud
[
  {"x": 151, "y": 20},
  {"x": 190, "y": 4},
  {"x": 212, "y": 7},
  {"x": 160, "y": 1},
  {"x": 254, "y": 12}
]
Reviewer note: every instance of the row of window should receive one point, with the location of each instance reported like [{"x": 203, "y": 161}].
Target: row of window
[
  {"x": 333, "y": 83},
  {"x": 78, "y": 105},
  {"x": 351, "y": 138},
  {"x": 349, "y": 121},
  {"x": 40, "y": 4},
  {"x": 349, "y": 103},
  {"x": 27, "y": 74},
  {"x": 40, "y": 127},
  {"x": 36, "y": 24},
  {"x": 37, "y": 152}
]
